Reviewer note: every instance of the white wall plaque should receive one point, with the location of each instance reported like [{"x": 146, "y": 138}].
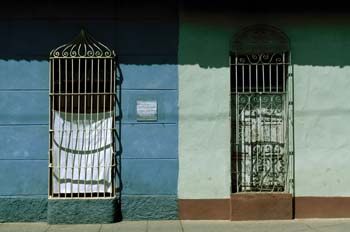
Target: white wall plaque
[{"x": 146, "y": 110}]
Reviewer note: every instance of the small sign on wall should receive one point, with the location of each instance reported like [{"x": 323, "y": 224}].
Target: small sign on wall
[{"x": 146, "y": 110}]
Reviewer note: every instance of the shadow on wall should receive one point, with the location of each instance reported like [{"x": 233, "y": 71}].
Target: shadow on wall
[
  {"x": 140, "y": 33},
  {"x": 318, "y": 35},
  {"x": 119, "y": 147}
]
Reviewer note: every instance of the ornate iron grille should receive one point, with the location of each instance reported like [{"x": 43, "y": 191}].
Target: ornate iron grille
[
  {"x": 82, "y": 119},
  {"x": 261, "y": 105}
]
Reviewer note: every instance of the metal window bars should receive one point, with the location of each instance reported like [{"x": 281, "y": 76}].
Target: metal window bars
[
  {"x": 261, "y": 125},
  {"x": 82, "y": 139}
]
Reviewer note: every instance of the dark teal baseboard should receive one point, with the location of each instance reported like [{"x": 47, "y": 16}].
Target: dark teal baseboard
[
  {"x": 83, "y": 211},
  {"x": 23, "y": 209},
  {"x": 152, "y": 207}
]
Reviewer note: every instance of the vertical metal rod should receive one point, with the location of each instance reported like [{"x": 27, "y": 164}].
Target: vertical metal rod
[
  {"x": 277, "y": 126},
  {"x": 271, "y": 125},
  {"x": 251, "y": 139},
  {"x": 289, "y": 118},
  {"x": 53, "y": 132},
  {"x": 263, "y": 77},
  {"x": 84, "y": 134},
  {"x": 66, "y": 138},
  {"x": 65, "y": 104},
  {"x": 256, "y": 79},
  {"x": 110, "y": 130},
  {"x": 113, "y": 131},
  {"x": 292, "y": 120},
  {"x": 78, "y": 132},
  {"x": 277, "y": 141},
  {"x": 50, "y": 133},
  {"x": 106, "y": 126},
  {"x": 60, "y": 130},
  {"x": 71, "y": 128},
  {"x": 245, "y": 150},
  {"x": 270, "y": 77},
  {"x": 91, "y": 130},
  {"x": 261, "y": 133},
  {"x": 243, "y": 77},
  {"x": 287, "y": 101},
  {"x": 261, "y": 137},
  {"x": 286, "y": 132},
  {"x": 284, "y": 72},
  {"x": 258, "y": 129},
  {"x": 285, "y": 138},
  {"x": 250, "y": 124},
  {"x": 99, "y": 129},
  {"x": 236, "y": 75},
  {"x": 242, "y": 143},
  {"x": 250, "y": 78},
  {"x": 54, "y": 103},
  {"x": 237, "y": 132},
  {"x": 277, "y": 87},
  {"x": 271, "y": 113},
  {"x": 283, "y": 128}
]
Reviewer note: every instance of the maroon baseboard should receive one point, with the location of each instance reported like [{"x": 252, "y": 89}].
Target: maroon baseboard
[
  {"x": 261, "y": 206},
  {"x": 204, "y": 209},
  {"x": 264, "y": 206},
  {"x": 322, "y": 207}
]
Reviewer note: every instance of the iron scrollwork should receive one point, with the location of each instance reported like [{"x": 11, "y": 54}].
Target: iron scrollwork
[
  {"x": 261, "y": 142},
  {"x": 83, "y": 46}
]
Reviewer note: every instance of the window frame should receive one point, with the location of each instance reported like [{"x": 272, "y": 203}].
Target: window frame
[{"x": 259, "y": 41}]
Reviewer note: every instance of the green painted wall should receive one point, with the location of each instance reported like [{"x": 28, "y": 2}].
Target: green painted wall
[
  {"x": 320, "y": 45},
  {"x": 322, "y": 130},
  {"x": 204, "y": 139},
  {"x": 316, "y": 38}
]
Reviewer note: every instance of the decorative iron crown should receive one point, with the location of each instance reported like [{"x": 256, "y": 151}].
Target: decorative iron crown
[{"x": 83, "y": 46}]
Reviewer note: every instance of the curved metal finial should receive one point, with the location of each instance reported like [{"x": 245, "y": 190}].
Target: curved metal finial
[
  {"x": 260, "y": 38},
  {"x": 84, "y": 46}
]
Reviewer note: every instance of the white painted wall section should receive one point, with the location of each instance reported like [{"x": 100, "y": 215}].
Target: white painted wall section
[
  {"x": 322, "y": 130},
  {"x": 204, "y": 133}
]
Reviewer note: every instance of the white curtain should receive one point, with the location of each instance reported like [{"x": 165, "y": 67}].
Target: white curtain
[
  {"x": 262, "y": 136},
  {"x": 82, "y": 152}
]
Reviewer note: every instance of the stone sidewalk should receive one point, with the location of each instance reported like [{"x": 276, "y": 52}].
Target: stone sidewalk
[{"x": 298, "y": 225}]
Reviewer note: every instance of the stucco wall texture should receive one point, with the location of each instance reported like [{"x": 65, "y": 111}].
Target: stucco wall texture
[
  {"x": 320, "y": 51},
  {"x": 204, "y": 139},
  {"x": 182, "y": 61},
  {"x": 145, "y": 38}
]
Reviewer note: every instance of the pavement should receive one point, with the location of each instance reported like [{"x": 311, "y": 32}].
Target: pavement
[{"x": 297, "y": 225}]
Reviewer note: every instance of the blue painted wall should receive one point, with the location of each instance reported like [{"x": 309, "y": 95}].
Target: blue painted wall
[
  {"x": 145, "y": 38},
  {"x": 150, "y": 157},
  {"x": 23, "y": 128}
]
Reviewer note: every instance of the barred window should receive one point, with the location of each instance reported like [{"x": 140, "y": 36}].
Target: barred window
[
  {"x": 82, "y": 119},
  {"x": 261, "y": 107}
]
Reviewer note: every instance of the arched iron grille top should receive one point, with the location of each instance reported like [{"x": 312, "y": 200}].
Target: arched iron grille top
[
  {"x": 83, "y": 46},
  {"x": 260, "y": 38}
]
